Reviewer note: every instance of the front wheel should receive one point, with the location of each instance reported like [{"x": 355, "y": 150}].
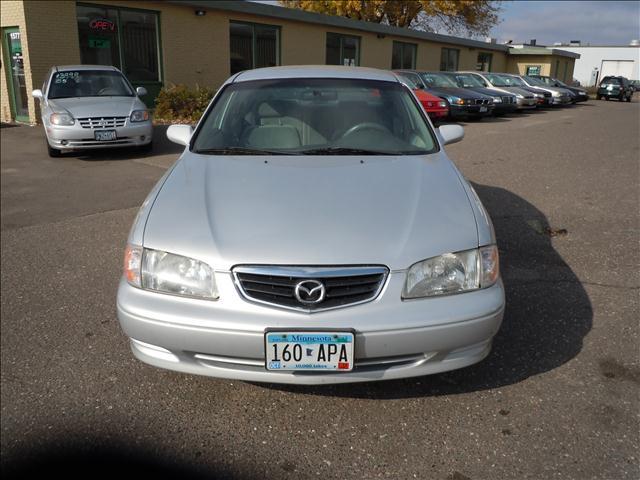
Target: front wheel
[
  {"x": 606, "y": 98},
  {"x": 146, "y": 148},
  {"x": 53, "y": 152}
]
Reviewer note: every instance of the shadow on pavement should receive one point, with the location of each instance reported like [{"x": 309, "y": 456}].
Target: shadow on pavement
[
  {"x": 547, "y": 316},
  {"x": 99, "y": 459}
]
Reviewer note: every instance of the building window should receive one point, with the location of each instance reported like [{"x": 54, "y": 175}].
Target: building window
[
  {"x": 122, "y": 37},
  {"x": 404, "y": 56},
  {"x": 533, "y": 70},
  {"x": 253, "y": 45},
  {"x": 484, "y": 62},
  {"x": 343, "y": 50},
  {"x": 449, "y": 59}
]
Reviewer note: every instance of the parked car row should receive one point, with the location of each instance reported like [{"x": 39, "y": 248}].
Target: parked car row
[{"x": 470, "y": 94}]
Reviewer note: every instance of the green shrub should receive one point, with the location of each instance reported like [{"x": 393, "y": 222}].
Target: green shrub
[{"x": 181, "y": 104}]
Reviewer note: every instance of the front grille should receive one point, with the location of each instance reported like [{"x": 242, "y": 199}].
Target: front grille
[
  {"x": 507, "y": 99},
  {"x": 342, "y": 286},
  {"x": 102, "y": 122},
  {"x": 546, "y": 94},
  {"x": 481, "y": 101}
]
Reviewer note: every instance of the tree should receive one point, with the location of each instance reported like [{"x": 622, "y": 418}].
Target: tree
[{"x": 475, "y": 17}]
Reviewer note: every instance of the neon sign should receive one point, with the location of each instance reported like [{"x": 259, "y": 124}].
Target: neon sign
[{"x": 102, "y": 24}]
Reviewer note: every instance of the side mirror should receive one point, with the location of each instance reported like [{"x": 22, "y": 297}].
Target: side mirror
[
  {"x": 180, "y": 134},
  {"x": 420, "y": 85},
  {"x": 451, "y": 133},
  {"x": 141, "y": 91},
  {"x": 37, "y": 94}
]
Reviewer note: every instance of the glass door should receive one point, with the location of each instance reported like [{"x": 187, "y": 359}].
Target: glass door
[{"x": 15, "y": 72}]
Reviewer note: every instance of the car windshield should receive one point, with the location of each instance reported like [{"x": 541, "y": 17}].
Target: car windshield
[
  {"x": 324, "y": 116},
  {"x": 535, "y": 81},
  {"x": 497, "y": 81},
  {"x": 89, "y": 83},
  {"x": 467, "y": 80},
  {"x": 435, "y": 80},
  {"x": 410, "y": 82},
  {"x": 510, "y": 81},
  {"x": 610, "y": 81},
  {"x": 546, "y": 80}
]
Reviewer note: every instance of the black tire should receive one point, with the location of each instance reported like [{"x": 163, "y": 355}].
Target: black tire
[
  {"x": 146, "y": 148},
  {"x": 53, "y": 152},
  {"x": 606, "y": 98}
]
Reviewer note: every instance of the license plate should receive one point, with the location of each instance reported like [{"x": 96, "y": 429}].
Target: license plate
[
  {"x": 105, "y": 135},
  {"x": 483, "y": 109},
  {"x": 295, "y": 351}
]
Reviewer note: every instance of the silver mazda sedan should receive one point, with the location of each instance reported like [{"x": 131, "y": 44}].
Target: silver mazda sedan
[
  {"x": 92, "y": 106},
  {"x": 312, "y": 232}
]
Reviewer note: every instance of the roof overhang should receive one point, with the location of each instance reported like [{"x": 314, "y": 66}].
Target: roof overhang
[{"x": 273, "y": 11}]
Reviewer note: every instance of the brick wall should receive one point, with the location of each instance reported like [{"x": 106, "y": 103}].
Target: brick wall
[{"x": 11, "y": 15}]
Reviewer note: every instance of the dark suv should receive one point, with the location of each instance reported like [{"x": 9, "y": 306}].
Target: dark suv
[{"x": 615, "y": 87}]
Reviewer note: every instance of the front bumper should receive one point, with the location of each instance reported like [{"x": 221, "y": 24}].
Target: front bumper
[
  {"x": 438, "y": 114},
  {"x": 502, "y": 108},
  {"x": 458, "y": 111},
  {"x": 75, "y": 137},
  {"x": 526, "y": 103},
  {"x": 394, "y": 338},
  {"x": 562, "y": 100}
]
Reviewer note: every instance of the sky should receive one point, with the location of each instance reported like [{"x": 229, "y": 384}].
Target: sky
[{"x": 594, "y": 22}]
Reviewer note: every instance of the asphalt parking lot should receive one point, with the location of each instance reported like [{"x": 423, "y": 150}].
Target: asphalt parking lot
[{"x": 557, "y": 398}]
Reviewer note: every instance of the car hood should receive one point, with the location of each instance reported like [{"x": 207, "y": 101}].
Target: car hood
[
  {"x": 484, "y": 91},
  {"x": 524, "y": 91},
  {"x": 81, "y": 107},
  {"x": 312, "y": 210},
  {"x": 455, "y": 92}
]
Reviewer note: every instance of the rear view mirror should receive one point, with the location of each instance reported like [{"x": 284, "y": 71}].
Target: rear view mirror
[
  {"x": 141, "y": 91},
  {"x": 180, "y": 134},
  {"x": 451, "y": 133},
  {"x": 37, "y": 94}
]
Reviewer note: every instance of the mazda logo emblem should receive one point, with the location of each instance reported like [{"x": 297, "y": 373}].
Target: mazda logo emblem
[{"x": 309, "y": 292}]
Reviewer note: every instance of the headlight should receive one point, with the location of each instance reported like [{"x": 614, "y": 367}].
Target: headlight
[
  {"x": 452, "y": 273},
  {"x": 538, "y": 95},
  {"x": 609, "y": 87},
  {"x": 61, "y": 119},
  {"x": 458, "y": 101},
  {"x": 556, "y": 94},
  {"x": 169, "y": 273},
  {"x": 497, "y": 100},
  {"x": 582, "y": 93},
  {"x": 139, "y": 115},
  {"x": 519, "y": 96},
  {"x": 442, "y": 103}
]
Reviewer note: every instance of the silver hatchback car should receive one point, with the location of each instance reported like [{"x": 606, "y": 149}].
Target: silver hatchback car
[
  {"x": 312, "y": 232},
  {"x": 92, "y": 106}
]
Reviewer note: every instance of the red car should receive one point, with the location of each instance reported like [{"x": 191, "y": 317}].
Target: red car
[{"x": 436, "y": 107}]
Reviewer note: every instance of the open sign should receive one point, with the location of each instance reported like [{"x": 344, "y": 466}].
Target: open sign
[{"x": 102, "y": 24}]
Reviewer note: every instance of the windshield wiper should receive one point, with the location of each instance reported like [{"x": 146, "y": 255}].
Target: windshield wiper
[
  {"x": 343, "y": 151},
  {"x": 239, "y": 151}
]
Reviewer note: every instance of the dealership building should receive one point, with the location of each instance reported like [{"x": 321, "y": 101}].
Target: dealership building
[{"x": 159, "y": 43}]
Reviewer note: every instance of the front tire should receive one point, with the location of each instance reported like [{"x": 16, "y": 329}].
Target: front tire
[
  {"x": 146, "y": 148},
  {"x": 53, "y": 152}
]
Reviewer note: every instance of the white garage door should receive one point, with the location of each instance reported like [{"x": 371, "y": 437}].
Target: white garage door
[{"x": 618, "y": 68}]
